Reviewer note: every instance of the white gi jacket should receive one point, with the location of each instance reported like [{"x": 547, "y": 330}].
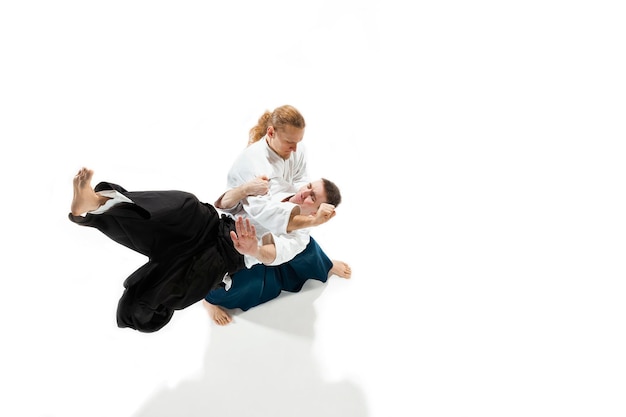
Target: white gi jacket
[
  {"x": 269, "y": 213},
  {"x": 259, "y": 159},
  {"x": 272, "y": 221}
]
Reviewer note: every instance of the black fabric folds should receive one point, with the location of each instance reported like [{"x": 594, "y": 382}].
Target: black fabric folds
[{"x": 188, "y": 246}]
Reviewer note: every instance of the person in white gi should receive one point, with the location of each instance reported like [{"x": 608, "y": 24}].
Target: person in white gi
[
  {"x": 274, "y": 154},
  {"x": 190, "y": 248}
]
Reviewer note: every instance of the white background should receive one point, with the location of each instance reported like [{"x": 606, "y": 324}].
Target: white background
[{"x": 478, "y": 148}]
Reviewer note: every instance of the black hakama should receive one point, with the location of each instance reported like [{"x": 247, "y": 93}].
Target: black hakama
[{"x": 186, "y": 241}]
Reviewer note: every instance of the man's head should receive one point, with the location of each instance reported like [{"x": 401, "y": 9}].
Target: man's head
[
  {"x": 309, "y": 197},
  {"x": 285, "y": 129}
]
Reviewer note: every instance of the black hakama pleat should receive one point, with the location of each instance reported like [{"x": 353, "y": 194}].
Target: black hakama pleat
[{"x": 188, "y": 246}]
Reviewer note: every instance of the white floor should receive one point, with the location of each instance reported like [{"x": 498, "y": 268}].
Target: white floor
[{"x": 479, "y": 150}]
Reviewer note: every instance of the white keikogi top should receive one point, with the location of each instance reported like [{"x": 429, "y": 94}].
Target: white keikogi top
[
  {"x": 269, "y": 213},
  {"x": 259, "y": 159}
]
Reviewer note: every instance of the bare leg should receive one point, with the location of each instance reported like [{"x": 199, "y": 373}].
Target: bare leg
[
  {"x": 85, "y": 198},
  {"x": 217, "y": 313},
  {"x": 341, "y": 269}
]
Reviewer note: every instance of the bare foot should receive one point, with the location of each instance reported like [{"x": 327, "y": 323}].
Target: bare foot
[
  {"x": 341, "y": 269},
  {"x": 217, "y": 313},
  {"x": 85, "y": 198}
]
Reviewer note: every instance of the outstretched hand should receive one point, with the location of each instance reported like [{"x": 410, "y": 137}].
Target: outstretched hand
[{"x": 245, "y": 240}]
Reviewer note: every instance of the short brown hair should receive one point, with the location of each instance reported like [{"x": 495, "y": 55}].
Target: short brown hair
[{"x": 333, "y": 195}]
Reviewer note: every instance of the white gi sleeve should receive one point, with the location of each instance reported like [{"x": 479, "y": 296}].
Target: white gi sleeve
[
  {"x": 289, "y": 245},
  {"x": 232, "y": 210},
  {"x": 271, "y": 214}
]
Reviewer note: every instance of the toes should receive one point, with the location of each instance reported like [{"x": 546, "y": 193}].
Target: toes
[{"x": 221, "y": 319}]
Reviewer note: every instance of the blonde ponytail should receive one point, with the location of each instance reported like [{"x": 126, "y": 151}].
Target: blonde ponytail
[{"x": 281, "y": 116}]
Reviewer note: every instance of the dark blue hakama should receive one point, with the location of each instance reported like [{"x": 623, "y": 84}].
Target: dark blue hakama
[{"x": 261, "y": 283}]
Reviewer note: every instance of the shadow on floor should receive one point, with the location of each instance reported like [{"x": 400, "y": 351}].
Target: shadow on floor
[{"x": 261, "y": 365}]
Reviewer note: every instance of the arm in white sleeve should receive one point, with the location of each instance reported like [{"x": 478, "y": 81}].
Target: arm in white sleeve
[
  {"x": 289, "y": 245},
  {"x": 231, "y": 210},
  {"x": 266, "y": 252},
  {"x": 286, "y": 247},
  {"x": 273, "y": 215}
]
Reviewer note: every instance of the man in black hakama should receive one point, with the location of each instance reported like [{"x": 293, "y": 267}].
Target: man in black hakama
[{"x": 188, "y": 245}]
